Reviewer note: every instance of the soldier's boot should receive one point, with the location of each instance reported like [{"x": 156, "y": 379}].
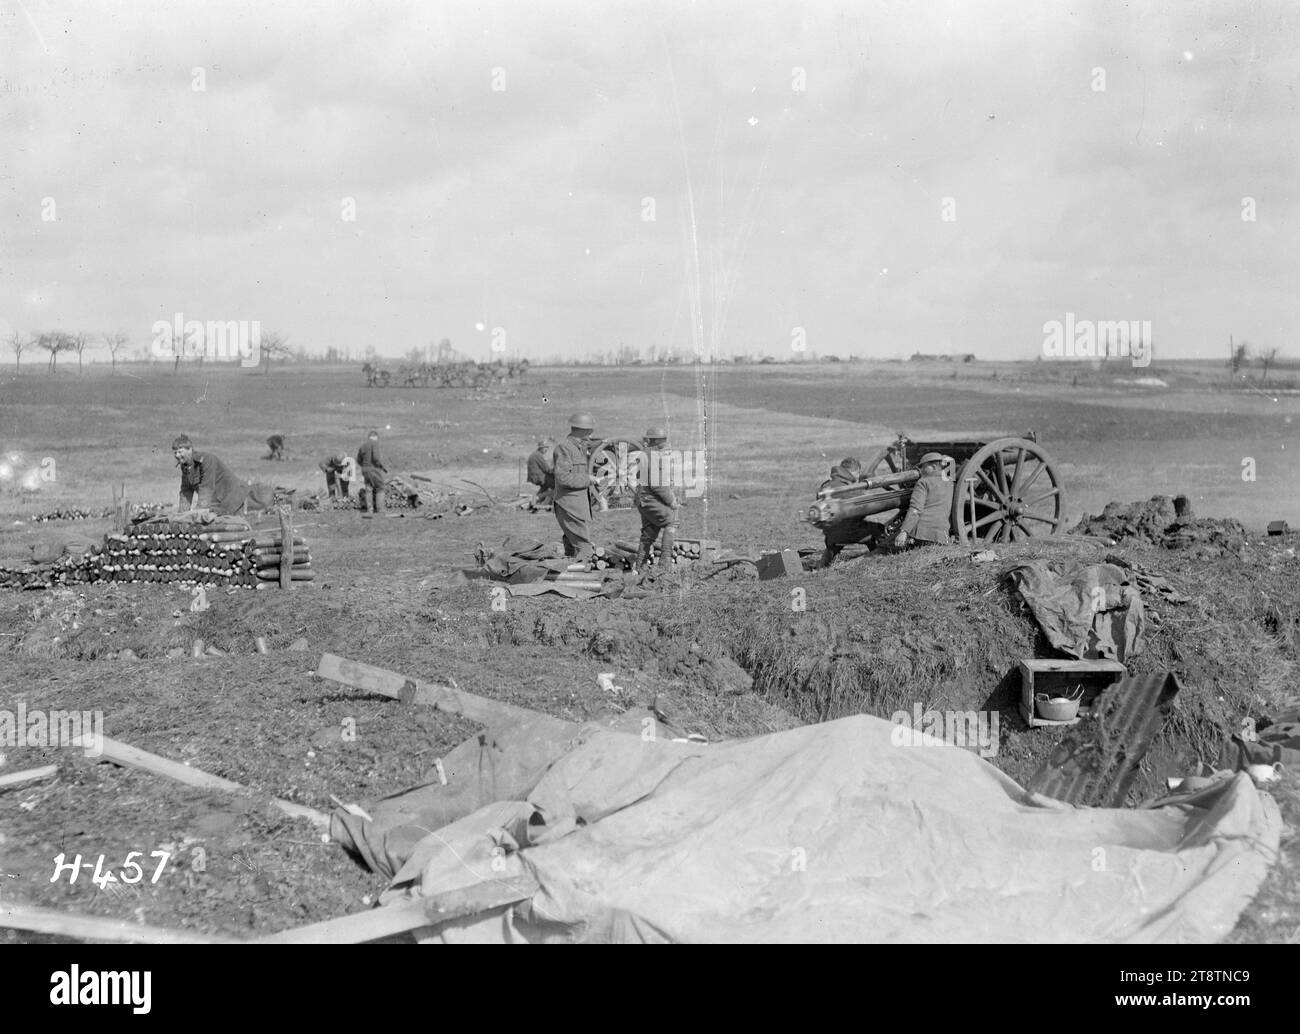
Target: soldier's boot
[
  {"x": 643, "y": 554},
  {"x": 379, "y": 500}
]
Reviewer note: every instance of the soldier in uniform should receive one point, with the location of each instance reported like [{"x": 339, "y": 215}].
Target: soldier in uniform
[
  {"x": 217, "y": 488},
  {"x": 373, "y": 473},
  {"x": 847, "y": 472},
  {"x": 929, "y": 513},
  {"x": 276, "y": 444},
  {"x": 340, "y": 472},
  {"x": 541, "y": 471},
  {"x": 572, "y": 502},
  {"x": 657, "y": 504}
]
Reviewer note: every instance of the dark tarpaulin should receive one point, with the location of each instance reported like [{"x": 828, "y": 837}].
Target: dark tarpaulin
[{"x": 1085, "y": 610}]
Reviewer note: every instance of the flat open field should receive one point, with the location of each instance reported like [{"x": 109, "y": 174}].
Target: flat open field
[{"x": 771, "y": 434}]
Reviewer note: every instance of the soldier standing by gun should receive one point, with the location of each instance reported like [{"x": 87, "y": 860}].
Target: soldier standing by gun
[
  {"x": 572, "y": 503},
  {"x": 657, "y": 504},
  {"x": 373, "y": 473},
  {"x": 929, "y": 514}
]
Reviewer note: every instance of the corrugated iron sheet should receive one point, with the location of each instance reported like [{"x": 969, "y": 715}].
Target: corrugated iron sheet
[{"x": 1096, "y": 764}]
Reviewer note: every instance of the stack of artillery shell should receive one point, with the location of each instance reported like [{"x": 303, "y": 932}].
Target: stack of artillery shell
[
  {"x": 183, "y": 554},
  {"x": 73, "y": 513},
  {"x": 180, "y": 553},
  {"x": 268, "y": 551},
  {"x": 684, "y": 551},
  {"x": 396, "y": 497}
]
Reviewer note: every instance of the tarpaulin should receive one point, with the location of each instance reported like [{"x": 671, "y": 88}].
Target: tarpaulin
[
  {"x": 1279, "y": 742},
  {"x": 836, "y": 833},
  {"x": 499, "y": 764},
  {"x": 1085, "y": 610}
]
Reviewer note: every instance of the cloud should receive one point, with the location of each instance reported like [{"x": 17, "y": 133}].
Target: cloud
[{"x": 523, "y": 206}]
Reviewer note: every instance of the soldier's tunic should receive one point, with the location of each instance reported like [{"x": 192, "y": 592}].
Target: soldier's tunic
[
  {"x": 541, "y": 472},
  {"x": 572, "y": 503},
  {"x": 929, "y": 514},
  {"x": 372, "y": 467},
  {"x": 373, "y": 473},
  {"x": 218, "y": 489}
]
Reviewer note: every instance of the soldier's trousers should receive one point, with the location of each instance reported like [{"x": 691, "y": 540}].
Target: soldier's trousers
[
  {"x": 851, "y": 534},
  {"x": 574, "y": 526},
  {"x": 650, "y": 530},
  {"x": 337, "y": 486},
  {"x": 372, "y": 487}
]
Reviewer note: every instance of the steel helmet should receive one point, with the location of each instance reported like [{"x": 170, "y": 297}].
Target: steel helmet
[
  {"x": 582, "y": 421},
  {"x": 933, "y": 457},
  {"x": 656, "y": 434}
]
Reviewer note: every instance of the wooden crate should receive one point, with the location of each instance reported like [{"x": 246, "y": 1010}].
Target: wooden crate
[
  {"x": 1038, "y": 675},
  {"x": 785, "y": 564}
]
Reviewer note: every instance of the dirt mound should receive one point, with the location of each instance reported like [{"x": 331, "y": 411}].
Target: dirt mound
[
  {"x": 1163, "y": 521},
  {"x": 624, "y": 634},
  {"x": 934, "y": 628}
]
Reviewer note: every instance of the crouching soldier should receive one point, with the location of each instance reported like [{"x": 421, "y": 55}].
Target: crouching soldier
[
  {"x": 373, "y": 473},
  {"x": 929, "y": 513},
  {"x": 205, "y": 476},
  {"x": 657, "y": 503},
  {"x": 541, "y": 472},
  {"x": 340, "y": 472},
  {"x": 276, "y": 444},
  {"x": 847, "y": 472}
]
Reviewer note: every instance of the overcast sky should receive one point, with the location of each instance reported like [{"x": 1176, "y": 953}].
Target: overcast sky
[{"x": 498, "y": 156}]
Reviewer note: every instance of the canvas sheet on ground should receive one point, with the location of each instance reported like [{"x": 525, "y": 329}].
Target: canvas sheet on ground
[{"x": 832, "y": 833}]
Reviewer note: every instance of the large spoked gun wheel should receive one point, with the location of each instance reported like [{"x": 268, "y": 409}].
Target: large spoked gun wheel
[{"x": 1006, "y": 492}]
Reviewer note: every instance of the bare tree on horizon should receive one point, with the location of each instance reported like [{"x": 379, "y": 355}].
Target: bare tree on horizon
[
  {"x": 114, "y": 342},
  {"x": 18, "y": 344}
]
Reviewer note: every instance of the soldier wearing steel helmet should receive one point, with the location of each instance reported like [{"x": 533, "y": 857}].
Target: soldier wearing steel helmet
[
  {"x": 657, "y": 504},
  {"x": 929, "y": 512},
  {"x": 572, "y": 501}
]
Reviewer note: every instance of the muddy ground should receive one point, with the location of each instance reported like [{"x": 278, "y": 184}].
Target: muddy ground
[{"x": 238, "y": 867}]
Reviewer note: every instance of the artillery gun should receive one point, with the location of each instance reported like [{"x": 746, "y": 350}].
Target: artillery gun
[{"x": 1006, "y": 490}]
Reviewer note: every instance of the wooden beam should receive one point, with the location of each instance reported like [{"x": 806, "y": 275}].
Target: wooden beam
[
  {"x": 31, "y": 775},
  {"x": 97, "y": 930},
  {"x": 410, "y": 915},
  {"x": 430, "y": 694},
  {"x": 134, "y": 757},
  {"x": 286, "y": 556}
]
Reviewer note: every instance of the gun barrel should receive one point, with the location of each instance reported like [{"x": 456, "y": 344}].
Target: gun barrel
[{"x": 835, "y": 509}]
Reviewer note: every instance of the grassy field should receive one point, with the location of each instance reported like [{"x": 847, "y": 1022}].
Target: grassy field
[{"x": 771, "y": 433}]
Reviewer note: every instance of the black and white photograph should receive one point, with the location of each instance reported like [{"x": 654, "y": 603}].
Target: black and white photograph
[{"x": 658, "y": 471}]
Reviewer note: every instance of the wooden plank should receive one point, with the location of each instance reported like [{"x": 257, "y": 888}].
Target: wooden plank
[
  {"x": 97, "y": 930},
  {"x": 410, "y": 915},
  {"x": 429, "y": 694},
  {"x": 134, "y": 757},
  {"x": 31, "y": 775},
  {"x": 286, "y": 557}
]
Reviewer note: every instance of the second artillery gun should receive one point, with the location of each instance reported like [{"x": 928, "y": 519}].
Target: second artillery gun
[{"x": 1006, "y": 490}]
